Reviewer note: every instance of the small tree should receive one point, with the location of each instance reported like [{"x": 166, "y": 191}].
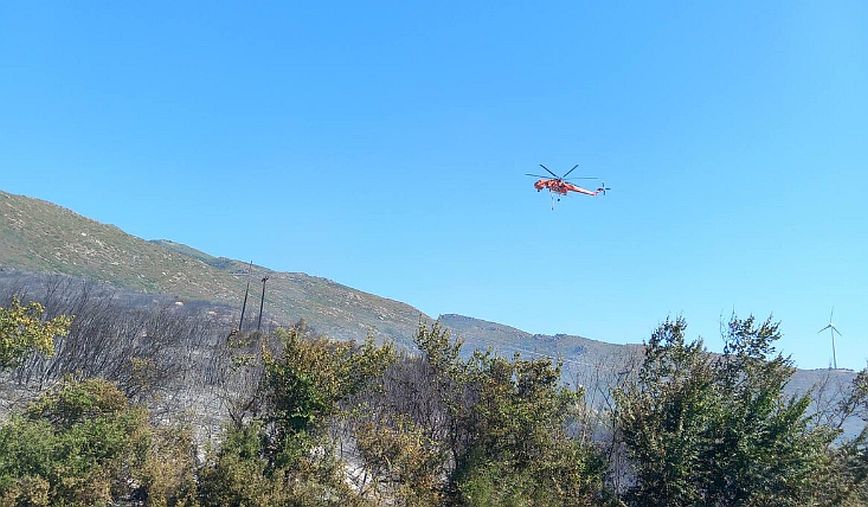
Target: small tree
[
  {"x": 284, "y": 456},
  {"x": 705, "y": 430},
  {"x": 304, "y": 386},
  {"x": 522, "y": 454},
  {"x": 23, "y": 330},
  {"x": 487, "y": 430}
]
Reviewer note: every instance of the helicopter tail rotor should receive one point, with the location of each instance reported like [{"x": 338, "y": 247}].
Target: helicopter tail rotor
[{"x": 603, "y": 189}]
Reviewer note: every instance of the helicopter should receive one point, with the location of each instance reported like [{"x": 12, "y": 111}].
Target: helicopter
[{"x": 560, "y": 185}]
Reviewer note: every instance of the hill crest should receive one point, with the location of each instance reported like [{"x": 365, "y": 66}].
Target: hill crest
[{"x": 39, "y": 236}]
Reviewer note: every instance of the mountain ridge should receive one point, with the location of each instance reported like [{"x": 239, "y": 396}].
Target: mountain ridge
[{"x": 39, "y": 236}]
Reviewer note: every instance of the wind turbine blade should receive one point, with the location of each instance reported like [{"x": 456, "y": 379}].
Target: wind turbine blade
[{"x": 825, "y": 328}]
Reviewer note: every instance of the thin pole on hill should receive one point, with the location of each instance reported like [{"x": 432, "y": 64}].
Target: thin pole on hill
[
  {"x": 261, "y": 304},
  {"x": 246, "y": 293}
]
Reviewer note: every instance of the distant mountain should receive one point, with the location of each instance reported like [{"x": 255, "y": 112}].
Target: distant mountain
[
  {"x": 39, "y": 236},
  {"x": 480, "y": 334},
  {"x": 584, "y": 361}
]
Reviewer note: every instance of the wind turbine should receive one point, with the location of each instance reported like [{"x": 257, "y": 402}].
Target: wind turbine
[{"x": 832, "y": 330}]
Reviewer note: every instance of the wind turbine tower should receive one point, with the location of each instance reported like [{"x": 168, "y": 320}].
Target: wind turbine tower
[{"x": 832, "y": 330}]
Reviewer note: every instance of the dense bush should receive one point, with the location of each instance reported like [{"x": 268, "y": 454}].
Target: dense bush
[
  {"x": 522, "y": 453},
  {"x": 84, "y": 444},
  {"x": 283, "y": 456},
  {"x": 479, "y": 431},
  {"x": 706, "y": 430}
]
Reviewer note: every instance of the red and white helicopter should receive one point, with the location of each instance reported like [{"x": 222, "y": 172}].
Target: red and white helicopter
[{"x": 560, "y": 185}]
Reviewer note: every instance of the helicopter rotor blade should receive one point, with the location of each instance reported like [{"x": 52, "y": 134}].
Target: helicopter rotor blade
[
  {"x": 581, "y": 178},
  {"x": 548, "y": 171},
  {"x": 538, "y": 176},
  {"x": 568, "y": 172}
]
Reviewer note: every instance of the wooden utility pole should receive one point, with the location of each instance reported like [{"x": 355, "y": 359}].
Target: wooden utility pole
[
  {"x": 246, "y": 293},
  {"x": 261, "y": 304}
]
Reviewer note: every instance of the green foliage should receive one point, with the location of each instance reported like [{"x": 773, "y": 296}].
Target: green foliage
[
  {"x": 84, "y": 444},
  {"x": 764, "y": 450},
  {"x": 493, "y": 484},
  {"x": 238, "y": 474},
  {"x": 304, "y": 386},
  {"x": 23, "y": 330},
  {"x": 167, "y": 473},
  {"x": 507, "y": 433},
  {"x": 522, "y": 415},
  {"x": 698, "y": 429},
  {"x": 845, "y": 480},
  {"x": 403, "y": 462},
  {"x": 241, "y": 473},
  {"x": 442, "y": 354},
  {"x": 284, "y": 457},
  {"x": 663, "y": 415},
  {"x": 718, "y": 431}
]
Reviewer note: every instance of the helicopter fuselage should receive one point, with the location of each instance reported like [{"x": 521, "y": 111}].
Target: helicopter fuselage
[{"x": 561, "y": 187}]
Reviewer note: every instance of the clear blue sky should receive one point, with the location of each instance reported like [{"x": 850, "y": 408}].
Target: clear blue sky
[{"x": 384, "y": 146}]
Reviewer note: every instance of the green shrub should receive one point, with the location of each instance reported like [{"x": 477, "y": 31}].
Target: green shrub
[
  {"x": 402, "y": 461},
  {"x": 84, "y": 444},
  {"x": 522, "y": 443},
  {"x": 23, "y": 330},
  {"x": 705, "y": 430},
  {"x": 285, "y": 456}
]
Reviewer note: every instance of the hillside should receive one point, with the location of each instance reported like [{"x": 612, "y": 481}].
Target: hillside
[
  {"x": 584, "y": 361},
  {"x": 479, "y": 334},
  {"x": 39, "y": 236}
]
